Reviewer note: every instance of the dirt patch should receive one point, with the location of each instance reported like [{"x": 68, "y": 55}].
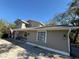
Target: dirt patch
[{"x": 9, "y": 50}]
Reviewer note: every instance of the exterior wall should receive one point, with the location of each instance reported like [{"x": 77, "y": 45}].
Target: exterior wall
[
  {"x": 18, "y": 25},
  {"x": 23, "y": 26},
  {"x": 32, "y": 36},
  {"x": 20, "y": 34},
  {"x": 34, "y": 24},
  {"x": 56, "y": 40}
]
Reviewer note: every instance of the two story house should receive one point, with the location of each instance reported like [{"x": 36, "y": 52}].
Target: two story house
[{"x": 53, "y": 38}]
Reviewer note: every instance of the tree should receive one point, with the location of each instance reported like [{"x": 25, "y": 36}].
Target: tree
[
  {"x": 13, "y": 26},
  {"x": 62, "y": 19},
  {"x": 2, "y": 24},
  {"x": 69, "y": 18},
  {"x": 3, "y": 27},
  {"x": 74, "y": 8}
]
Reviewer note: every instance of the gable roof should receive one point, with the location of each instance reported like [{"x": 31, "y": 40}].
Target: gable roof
[
  {"x": 18, "y": 20},
  {"x": 27, "y": 22},
  {"x": 36, "y": 22}
]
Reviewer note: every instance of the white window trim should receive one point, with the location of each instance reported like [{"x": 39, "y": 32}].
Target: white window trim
[{"x": 45, "y": 35}]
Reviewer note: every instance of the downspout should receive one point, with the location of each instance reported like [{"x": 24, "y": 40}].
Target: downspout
[{"x": 69, "y": 41}]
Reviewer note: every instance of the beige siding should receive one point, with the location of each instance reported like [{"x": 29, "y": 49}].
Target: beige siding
[
  {"x": 20, "y": 33},
  {"x": 56, "y": 40},
  {"x": 20, "y": 25},
  {"x": 35, "y": 24},
  {"x": 23, "y": 26},
  {"x": 32, "y": 36}
]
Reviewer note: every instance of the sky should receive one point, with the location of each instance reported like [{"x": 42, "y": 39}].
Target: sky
[{"x": 39, "y": 10}]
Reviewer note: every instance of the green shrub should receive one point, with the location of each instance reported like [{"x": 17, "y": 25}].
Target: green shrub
[{"x": 1, "y": 34}]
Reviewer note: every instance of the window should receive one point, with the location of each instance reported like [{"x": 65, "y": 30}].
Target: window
[{"x": 41, "y": 36}]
